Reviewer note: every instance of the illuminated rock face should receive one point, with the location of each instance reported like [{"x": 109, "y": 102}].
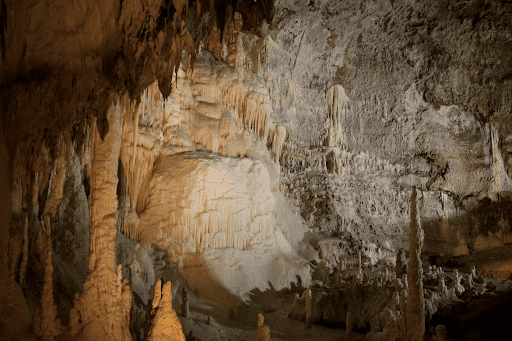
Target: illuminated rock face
[
  {"x": 199, "y": 200},
  {"x": 203, "y": 179},
  {"x": 372, "y": 105}
]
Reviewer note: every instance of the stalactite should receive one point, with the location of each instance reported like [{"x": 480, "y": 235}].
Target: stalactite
[
  {"x": 415, "y": 299},
  {"x": 337, "y": 103}
]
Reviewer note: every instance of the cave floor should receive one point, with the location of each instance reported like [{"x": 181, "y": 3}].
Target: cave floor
[
  {"x": 497, "y": 260},
  {"x": 244, "y": 326}
]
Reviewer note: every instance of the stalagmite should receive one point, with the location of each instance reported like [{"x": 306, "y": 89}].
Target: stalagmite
[
  {"x": 473, "y": 271},
  {"x": 415, "y": 299},
  {"x": 166, "y": 324},
  {"x": 15, "y": 247},
  {"x": 127, "y": 299},
  {"x": 263, "y": 331},
  {"x": 400, "y": 260},
  {"x": 405, "y": 282},
  {"x": 309, "y": 309},
  {"x": 403, "y": 313},
  {"x": 101, "y": 299},
  {"x": 442, "y": 287},
  {"x": 24, "y": 258},
  {"x": 348, "y": 323},
  {"x": 185, "y": 311},
  {"x": 459, "y": 289},
  {"x": 74, "y": 322},
  {"x": 50, "y": 325},
  {"x": 57, "y": 179},
  {"x": 359, "y": 276},
  {"x": 40, "y": 247},
  {"x": 441, "y": 333},
  {"x": 395, "y": 303},
  {"x": 157, "y": 293},
  {"x": 36, "y": 322}
]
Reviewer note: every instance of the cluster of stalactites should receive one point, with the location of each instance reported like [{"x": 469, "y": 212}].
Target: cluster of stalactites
[
  {"x": 216, "y": 227},
  {"x": 137, "y": 157},
  {"x": 332, "y": 160}
]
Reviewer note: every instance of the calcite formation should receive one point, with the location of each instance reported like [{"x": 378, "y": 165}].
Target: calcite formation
[
  {"x": 165, "y": 323},
  {"x": 415, "y": 298},
  {"x": 263, "y": 331},
  {"x": 208, "y": 136},
  {"x": 101, "y": 298}
]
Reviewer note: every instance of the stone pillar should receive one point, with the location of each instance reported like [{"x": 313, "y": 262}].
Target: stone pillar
[
  {"x": 101, "y": 297},
  {"x": 400, "y": 260},
  {"x": 348, "y": 322},
  {"x": 185, "y": 311},
  {"x": 415, "y": 299},
  {"x": 309, "y": 309}
]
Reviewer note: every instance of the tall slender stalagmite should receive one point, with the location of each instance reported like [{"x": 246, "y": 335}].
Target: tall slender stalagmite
[
  {"x": 415, "y": 299},
  {"x": 24, "y": 258},
  {"x": 50, "y": 324},
  {"x": 101, "y": 298}
]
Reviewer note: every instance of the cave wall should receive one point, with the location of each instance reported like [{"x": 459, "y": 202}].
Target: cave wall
[{"x": 382, "y": 95}]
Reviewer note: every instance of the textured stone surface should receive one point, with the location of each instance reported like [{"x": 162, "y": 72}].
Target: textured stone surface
[
  {"x": 341, "y": 106},
  {"x": 379, "y": 96}
]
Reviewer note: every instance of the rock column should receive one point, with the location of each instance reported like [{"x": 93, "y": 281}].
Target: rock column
[
  {"x": 102, "y": 291},
  {"x": 415, "y": 299}
]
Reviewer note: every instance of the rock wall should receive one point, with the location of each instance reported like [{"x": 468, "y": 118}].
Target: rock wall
[
  {"x": 203, "y": 179},
  {"x": 380, "y": 96}
]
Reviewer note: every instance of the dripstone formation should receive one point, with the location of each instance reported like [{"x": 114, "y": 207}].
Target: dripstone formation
[{"x": 342, "y": 168}]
